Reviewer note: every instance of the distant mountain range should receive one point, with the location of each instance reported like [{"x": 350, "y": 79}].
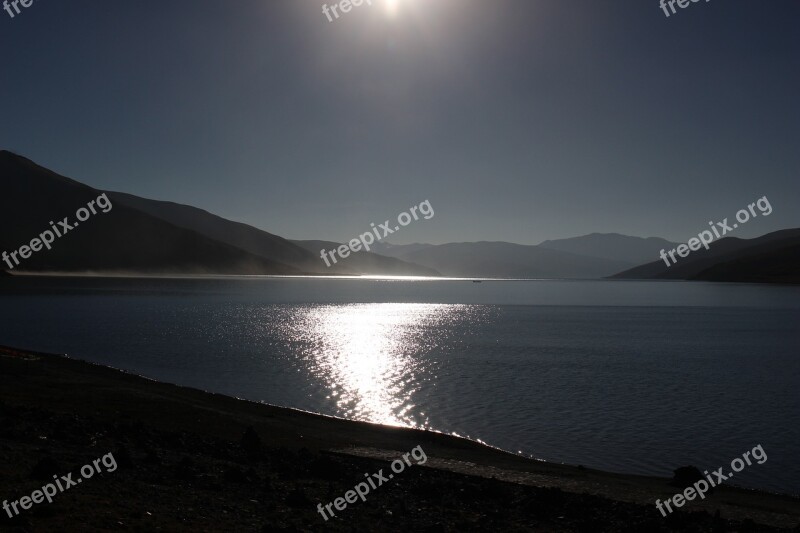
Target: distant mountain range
[
  {"x": 507, "y": 260},
  {"x": 579, "y": 257},
  {"x": 397, "y": 250},
  {"x": 141, "y": 236},
  {"x": 367, "y": 263},
  {"x": 612, "y": 246}
]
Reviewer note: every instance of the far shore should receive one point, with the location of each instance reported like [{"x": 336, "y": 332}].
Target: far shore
[
  {"x": 369, "y": 277},
  {"x": 195, "y": 460}
]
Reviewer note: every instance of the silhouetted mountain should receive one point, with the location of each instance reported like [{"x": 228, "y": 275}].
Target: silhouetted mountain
[
  {"x": 507, "y": 260},
  {"x": 397, "y": 250},
  {"x": 153, "y": 237},
  {"x": 236, "y": 234},
  {"x": 147, "y": 236},
  {"x": 774, "y": 248},
  {"x": 776, "y": 266},
  {"x": 297, "y": 254},
  {"x": 122, "y": 240},
  {"x": 635, "y": 250},
  {"x": 365, "y": 262}
]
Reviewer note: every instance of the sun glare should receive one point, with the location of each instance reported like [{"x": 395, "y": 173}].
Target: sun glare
[{"x": 392, "y": 6}]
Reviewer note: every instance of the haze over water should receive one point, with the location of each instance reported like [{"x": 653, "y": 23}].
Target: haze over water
[{"x": 635, "y": 377}]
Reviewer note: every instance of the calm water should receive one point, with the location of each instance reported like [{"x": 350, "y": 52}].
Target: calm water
[{"x": 636, "y": 377}]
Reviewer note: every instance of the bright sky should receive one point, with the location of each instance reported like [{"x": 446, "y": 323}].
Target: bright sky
[{"x": 520, "y": 120}]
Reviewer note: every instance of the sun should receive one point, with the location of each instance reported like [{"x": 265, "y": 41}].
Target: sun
[{"x": 392, "y": 6}]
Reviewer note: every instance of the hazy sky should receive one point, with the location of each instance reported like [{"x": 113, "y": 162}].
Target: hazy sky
[{"x": 520, "y": 120}]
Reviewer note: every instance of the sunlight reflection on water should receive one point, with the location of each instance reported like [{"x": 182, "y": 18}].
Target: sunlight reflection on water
[
  {"x": 368, "y": 355},
  {"x": 636, "y": 377}
]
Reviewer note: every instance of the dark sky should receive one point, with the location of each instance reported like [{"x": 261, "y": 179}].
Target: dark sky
[{"x": 520, "y": 120}]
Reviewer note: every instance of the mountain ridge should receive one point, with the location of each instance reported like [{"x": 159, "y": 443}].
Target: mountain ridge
[{"x": 144, "y": 236}]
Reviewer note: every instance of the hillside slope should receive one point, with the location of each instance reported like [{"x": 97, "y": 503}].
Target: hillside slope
[
  {"x": 726, "y": 250},
  {"x": 123, "y": 240},
  {"x": 302, "y": 255}
]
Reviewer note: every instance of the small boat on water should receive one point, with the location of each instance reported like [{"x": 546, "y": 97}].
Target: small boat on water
[{"x": 476, "y": 281}]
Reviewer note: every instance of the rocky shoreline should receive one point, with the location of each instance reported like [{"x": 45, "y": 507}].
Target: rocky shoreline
[{"x": 190, "y": 460}]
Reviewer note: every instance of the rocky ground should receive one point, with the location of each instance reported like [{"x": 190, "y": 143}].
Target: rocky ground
[{"x": 192, "y": 461}]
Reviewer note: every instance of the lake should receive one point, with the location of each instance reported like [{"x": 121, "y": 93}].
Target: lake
[{"x": 627, "y": 376}]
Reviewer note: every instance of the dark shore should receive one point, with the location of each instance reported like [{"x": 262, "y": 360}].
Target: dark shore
[{"x": 185, "y": 464}]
